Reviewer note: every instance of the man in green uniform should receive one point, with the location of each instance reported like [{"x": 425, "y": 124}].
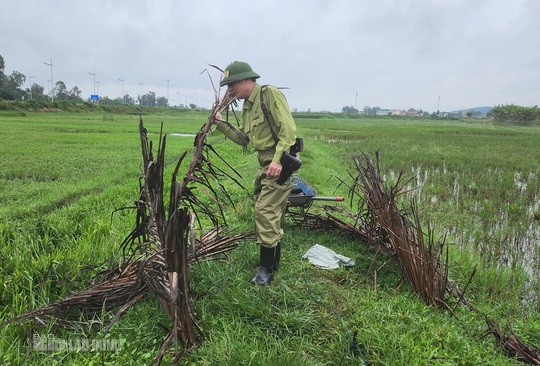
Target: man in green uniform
[{"x": 270, "y": 138}]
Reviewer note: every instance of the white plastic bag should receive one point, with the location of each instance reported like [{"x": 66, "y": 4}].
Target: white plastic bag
[{"x": 322, "y": 257}]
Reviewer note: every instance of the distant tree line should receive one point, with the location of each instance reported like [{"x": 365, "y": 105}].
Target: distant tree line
[
  {"x": 378, "y": 110},
  {"x": 349, "y": 110},
  {"x": 12, "y": 88},
  {"x": 370, "y": 110},
  {"x": 515, "y": 114},
  {"x": 367, "y": 110}
]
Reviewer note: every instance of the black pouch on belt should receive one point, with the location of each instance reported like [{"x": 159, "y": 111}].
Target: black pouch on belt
[{"x": 289, "y": 164}]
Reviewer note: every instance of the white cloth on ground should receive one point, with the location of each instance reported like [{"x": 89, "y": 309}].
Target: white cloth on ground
[{"x": 326, "y": 258}]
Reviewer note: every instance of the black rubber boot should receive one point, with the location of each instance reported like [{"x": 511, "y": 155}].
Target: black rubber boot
[
  {"x": 277, "y": 256},
  {"x": 266, "y": 266}
]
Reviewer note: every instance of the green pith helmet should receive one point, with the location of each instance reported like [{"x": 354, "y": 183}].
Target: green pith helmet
[{"x": 238, "y": 71}]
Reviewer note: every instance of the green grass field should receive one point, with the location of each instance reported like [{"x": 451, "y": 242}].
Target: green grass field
[{"x": 68, "y": 180}]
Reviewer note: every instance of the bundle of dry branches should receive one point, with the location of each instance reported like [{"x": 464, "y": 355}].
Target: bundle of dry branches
[
  {"x": 422, "y": 263},
  {"x": 513, "y": 346},
  {"x": 158, "y": 251},
  {"x": 172, "y": 231}
]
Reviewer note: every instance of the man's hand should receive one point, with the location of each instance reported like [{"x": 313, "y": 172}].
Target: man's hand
[
  {"x": 217, "y": 118},
  {"x": 274, "y": 170}
]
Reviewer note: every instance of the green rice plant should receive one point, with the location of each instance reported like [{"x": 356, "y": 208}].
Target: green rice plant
[{"x": 68, "y": 184}]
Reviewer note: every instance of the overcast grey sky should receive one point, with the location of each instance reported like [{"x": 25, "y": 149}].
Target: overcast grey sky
[{"x": 381, "y": 53}]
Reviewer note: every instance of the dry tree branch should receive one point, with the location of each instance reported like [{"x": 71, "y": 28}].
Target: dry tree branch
[
  {"x": 424, "y": 265},
  {"x": 421, "y": 263},
  {"x": 513, "y": 346},
  {"x": 158, "y": 251}
]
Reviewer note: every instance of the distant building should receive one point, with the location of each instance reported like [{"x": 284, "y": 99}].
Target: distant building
[{"x": 410, "y": 113}]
